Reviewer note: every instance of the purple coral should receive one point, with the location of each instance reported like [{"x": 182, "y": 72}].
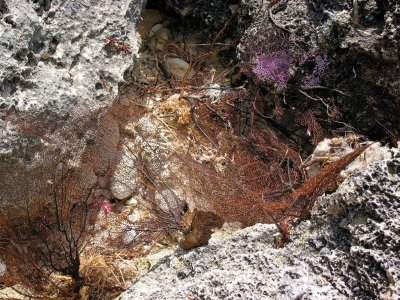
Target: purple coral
[{"x": 274, "y": 67}]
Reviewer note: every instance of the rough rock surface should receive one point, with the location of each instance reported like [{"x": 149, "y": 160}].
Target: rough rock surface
[
  {"x": 355, "y": 233},
  {"x": 367, "y": 25},
  {"x": 243, "y": 266},
  {"x": 54, "y": 61},
  {"x": 348, "y": 250}
]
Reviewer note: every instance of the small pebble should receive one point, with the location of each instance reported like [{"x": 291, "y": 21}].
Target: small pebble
[
  {"x": 178, "y": 67},
  {"x": 132, "y": 202}
]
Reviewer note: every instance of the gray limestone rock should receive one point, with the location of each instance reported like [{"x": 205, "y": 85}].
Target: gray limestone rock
[
  {"x": 355, "y": 233},
  {"x": 57, "y": 61},
  {"x": 242, "y": 266},
  {"x": 348, "y": 250}
]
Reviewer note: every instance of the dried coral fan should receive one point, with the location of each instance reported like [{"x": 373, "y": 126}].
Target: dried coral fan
[
  {"x": 249, "y": 208},
  {"x": 256, "y": 186},
  {"x": 46, "y": 219},
  {"x": 266, "y": 164}
]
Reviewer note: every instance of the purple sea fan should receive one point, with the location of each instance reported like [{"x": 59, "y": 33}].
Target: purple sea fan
[{"x": 273, "y": 67}]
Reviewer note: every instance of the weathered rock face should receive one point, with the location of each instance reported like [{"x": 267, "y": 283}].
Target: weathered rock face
[
  {"x": 355, "y": 233},
  {"x": 57, "y": 59},
  {"x": 243, "y": 266},
  {"x": 348, "y": 250},
  {"x": 367, "y": 25}
]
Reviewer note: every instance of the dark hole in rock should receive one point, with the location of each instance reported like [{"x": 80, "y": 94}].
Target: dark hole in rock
[
  {"x": 51, "y": 15},
  {"x": 393, "y": 167},
  {"x": 10, "y": 21},
  {"x": 42, "y": 6},
  {"x": 32, "y": 61},
  {"x": 3, "y": 8},
  {"x": 21, "y": 54},
  {"x": 14, "y": 82},
  {"x": 75, "y": 39},
  {"x": 98, "y": 86},
  {"x": 37, "y": 46},
  {"x": 53, "y": 45}
]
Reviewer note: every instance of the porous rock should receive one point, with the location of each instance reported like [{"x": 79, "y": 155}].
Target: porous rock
[
  {"x": 54, "y": 61},
  {"x": 348, "y": 250},
  {"x": 243, "y": 266},
  {"x": 355, "y": 233}
]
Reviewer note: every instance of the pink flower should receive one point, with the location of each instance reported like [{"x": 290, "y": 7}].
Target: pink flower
[{"x": 104, "y": 204}]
